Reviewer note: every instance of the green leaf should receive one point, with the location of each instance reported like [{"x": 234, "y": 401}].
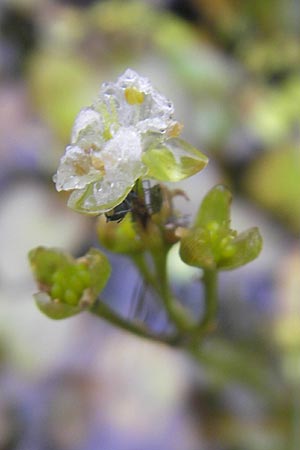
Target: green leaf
[
  {"x": 55, "y": 310},
  {"x": 247, "y": 246},
  {"x": 174, "y": 160},
  {"x": 215, "y": 207}
]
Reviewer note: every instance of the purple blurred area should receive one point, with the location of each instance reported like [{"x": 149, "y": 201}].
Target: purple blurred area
[{"x": 232, "y": 70}]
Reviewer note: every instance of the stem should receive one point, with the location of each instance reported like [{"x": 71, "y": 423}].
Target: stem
[
  {"x": 142, "y": 266},
  {"x": 175, "y": 311},
  {"x": 211, "y": 302},
  {"x": 103, "y": 311}
]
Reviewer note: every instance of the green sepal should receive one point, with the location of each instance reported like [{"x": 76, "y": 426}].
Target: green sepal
[
  {"x": 195, "y": 249},
  {"x": 55, "y": 310},
  {"x": 99, "y": 268},
  {"x": 173, "y": 160},
  {"x": 215, "y": 207},
  {"x": 45, "y": 261},
  {"x": 247, "y": 246}
]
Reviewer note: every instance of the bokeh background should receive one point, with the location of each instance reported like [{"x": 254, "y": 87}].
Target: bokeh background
[{"x": 232, "y": 69}]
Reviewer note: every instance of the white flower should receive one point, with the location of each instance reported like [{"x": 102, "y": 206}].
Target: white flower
[{"x": 119, "y": 139}]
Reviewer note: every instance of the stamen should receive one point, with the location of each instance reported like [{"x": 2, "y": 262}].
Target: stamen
[
  {"x": 133, "y": 96},
  {"x": 80, "y": 169},
  {"x": 97, "y": 163},
  {"x": 175, "y": 130}
]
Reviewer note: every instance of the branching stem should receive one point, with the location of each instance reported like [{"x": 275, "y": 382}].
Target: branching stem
[{"x": 103, "y": 311}]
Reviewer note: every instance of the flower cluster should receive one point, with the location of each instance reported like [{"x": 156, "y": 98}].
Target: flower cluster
[{"x": 127, "y": 134}]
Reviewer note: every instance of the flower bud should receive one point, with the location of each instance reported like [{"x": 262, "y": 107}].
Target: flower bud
[
  {"x": 211, "y": 243},
  {"x": 119, "y": 237},
  {"x": 67, "y": 286}
]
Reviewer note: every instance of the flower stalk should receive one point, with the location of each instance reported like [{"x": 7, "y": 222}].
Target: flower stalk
[
  {"x": 103, "y": 311},
  {"x": 208, "y": 321}
]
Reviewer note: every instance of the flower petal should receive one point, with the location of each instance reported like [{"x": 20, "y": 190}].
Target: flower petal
[
  {"x": 136, "y": 103},
  {"x": 99, "y": 197},
  {"x": 123, "y": 152},
  {"x": 88, "y": 122},
  {"x": 122, "y": 167},
  {"x": 76, "y": 170}
]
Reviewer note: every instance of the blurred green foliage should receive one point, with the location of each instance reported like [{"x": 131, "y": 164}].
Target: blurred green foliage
[
  {"x": 251, "y": 89},
  {"x": 273, "y": 180}
]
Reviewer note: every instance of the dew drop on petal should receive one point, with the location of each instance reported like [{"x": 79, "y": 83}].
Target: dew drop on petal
[
  {"x": 75, "y": 170},
  {"x": 88, "y": 121}
]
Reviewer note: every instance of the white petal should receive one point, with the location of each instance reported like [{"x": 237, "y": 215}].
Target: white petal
[
  {"x": 87, "y": 122},
  {"x": 75, "y": 170},
  {"x": 122, "y": 150},
  {"x": 153, "y": 114},
  {"x": 99, "y": 197},
  {"x": 130, "y": 78},
  {"x": 121, "y": 156}
]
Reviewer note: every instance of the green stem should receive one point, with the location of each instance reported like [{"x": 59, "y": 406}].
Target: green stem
[
  {"x": 143, "y": 268},
  {"x": 177, "y": 314},
  {"x": 103, "y": 311},
  {"x": 211, "y": 302}
]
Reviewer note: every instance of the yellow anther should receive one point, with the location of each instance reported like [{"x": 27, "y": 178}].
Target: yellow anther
[
  {"x": 175, "y": 130},
  {"x": 79, "y": 169},
  {"x": 97, "y": 163},
  {"x": 107, "y": 134},
  {"x": 133, "y": 96}
]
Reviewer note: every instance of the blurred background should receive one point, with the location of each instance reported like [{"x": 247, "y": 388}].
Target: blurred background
[{"x": 232, "y": 70}]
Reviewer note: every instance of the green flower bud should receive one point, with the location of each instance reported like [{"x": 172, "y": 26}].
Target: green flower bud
[
  {"x": 67, "y": 286},
  {"x": 211, "y": 243},
  {"x": 44, "y": 263},
  {"x": 119, "y": 237}
]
